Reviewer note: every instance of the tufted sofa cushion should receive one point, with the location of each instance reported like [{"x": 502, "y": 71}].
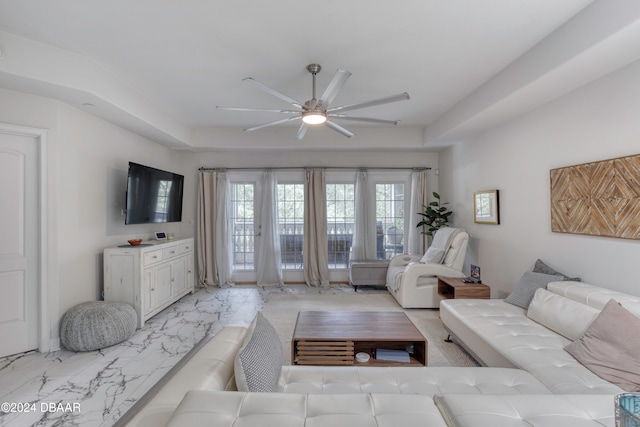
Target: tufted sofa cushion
[
  {"x": 591, "y": 295},
  {"x": 411, "y": 380},
  {"x": 527, "y": 410},
  {"x": 567, "y": 317},
  {"x": 211, "y": 408}
]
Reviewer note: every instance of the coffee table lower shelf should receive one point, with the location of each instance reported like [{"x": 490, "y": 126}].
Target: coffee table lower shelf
[{"x": 337, "y": 353}]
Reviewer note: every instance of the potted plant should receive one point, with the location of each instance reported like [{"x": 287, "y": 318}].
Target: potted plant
[{"x": 435, "y": 216}]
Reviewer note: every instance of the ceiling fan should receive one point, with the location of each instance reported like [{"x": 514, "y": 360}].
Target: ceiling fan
[{"x": 318, "y": 111}]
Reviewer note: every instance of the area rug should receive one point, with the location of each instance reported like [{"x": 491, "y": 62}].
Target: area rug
[{"x": 282, "y": 311}]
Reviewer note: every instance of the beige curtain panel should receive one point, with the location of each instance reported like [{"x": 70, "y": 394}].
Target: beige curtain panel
[
  {"x": 316, "y": 246},
  {"x": 213, "y": 242},
  {"x": 206, "y": 218},
  {"x": 416, "y": 241}
]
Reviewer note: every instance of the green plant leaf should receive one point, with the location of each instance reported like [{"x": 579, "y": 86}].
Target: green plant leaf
[{"x": 435, "y": 216}]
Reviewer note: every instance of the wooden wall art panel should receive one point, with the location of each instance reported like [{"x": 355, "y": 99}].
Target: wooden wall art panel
[{"x": 598, "y": 199}]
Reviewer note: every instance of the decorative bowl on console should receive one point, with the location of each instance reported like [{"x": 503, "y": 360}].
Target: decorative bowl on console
[{"x": 134, "y": 242}]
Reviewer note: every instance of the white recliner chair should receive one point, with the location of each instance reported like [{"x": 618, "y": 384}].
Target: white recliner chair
[{"x": 414, "y": 284}]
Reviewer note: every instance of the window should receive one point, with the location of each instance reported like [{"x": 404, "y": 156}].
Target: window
[
  {"x": 291, "y": 224},
  {"x": 340, "y": 220},
  {"x": 386, "y": 203},
  {"x": 243, "y": 234},
  {"x": 162, "y": 202},
  {"x": 390, "y": 218}
]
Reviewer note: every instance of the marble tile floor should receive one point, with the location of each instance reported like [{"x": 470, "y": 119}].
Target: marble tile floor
[{"x": 65, "y": 388}]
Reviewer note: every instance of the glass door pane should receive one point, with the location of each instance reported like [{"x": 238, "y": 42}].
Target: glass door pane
[
  {"x": 390, "y": 218},
  {"x": 340, "y": 220},
  {"x": 243, "y": 229},
  {"x": 291, "y": 224}
]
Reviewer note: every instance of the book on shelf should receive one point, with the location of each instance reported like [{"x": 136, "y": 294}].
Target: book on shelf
[{"x": 393, "y": 355}]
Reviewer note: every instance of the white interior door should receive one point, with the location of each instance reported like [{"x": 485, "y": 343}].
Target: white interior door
[{"x": 19, "y": 243}]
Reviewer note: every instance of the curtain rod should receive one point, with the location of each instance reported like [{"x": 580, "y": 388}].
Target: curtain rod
[{"x": 314, "y": 167}]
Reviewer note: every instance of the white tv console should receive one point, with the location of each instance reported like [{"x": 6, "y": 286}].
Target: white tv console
[{"x": 149, "y": 277}]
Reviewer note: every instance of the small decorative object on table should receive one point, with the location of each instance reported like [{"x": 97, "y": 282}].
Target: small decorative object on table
[
  {"x": 134, "y": 242},
  {"x": 475, "y": 273},
  {"x": 363, "y": 357},
  {"x": 627, "y": 410}
]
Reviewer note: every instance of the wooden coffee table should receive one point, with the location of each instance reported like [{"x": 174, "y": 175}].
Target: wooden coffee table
[{"x": 335, "y": 337}]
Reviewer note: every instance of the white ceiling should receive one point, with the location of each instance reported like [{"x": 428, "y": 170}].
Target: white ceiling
[{"x": 180, "y": 59}]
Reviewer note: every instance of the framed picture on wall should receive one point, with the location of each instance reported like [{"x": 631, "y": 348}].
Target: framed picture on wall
[{"x": 486, "y": 207}]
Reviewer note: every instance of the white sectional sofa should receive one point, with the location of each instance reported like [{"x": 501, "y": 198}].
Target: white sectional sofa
[
  {"x": 500, "y": 334},
  {"x": 209, "y": 377},
  {"x": 529, "y": 379}
]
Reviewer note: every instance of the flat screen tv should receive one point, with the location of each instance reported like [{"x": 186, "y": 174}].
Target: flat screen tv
[{"x": 153, "y": 195}]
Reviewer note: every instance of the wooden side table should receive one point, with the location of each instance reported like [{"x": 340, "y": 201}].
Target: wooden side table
[{"x": 454, "y": 287}]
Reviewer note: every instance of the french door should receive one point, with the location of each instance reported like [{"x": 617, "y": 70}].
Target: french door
[{"x": 246, "y": 224}]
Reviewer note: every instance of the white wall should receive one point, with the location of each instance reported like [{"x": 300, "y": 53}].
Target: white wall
[
  {"x": 597, "y": 122},
  {"x": 87, "y": 170},
  {"x": 93, "y": 158}
]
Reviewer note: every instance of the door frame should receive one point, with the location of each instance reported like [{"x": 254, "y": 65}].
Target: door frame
[
  {"x": 47, "y": 287},
  {"x": 249, "y": 177}
]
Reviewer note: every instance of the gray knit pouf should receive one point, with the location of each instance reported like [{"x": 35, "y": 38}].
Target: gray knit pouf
[{"x": 97, "y": 324}]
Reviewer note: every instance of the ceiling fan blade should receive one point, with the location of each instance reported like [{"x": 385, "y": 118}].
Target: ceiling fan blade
[
  {"x": 339, "y": 129},
  {"x": 274, "y": 92},
  {"x": 338, "y": 80},
  {"x": 262, "y": 110},
  {"x": 363, "y": 119},
  {"x": 302, "y": 131},
  {"x": 371, "y": 103},
  {"x": 277, "y": 122}
]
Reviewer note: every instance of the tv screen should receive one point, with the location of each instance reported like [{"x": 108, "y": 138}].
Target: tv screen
[{"x": 153, "y": 195}]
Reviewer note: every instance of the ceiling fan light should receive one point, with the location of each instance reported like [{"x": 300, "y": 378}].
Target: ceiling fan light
[{"x": 314, "y": 117}]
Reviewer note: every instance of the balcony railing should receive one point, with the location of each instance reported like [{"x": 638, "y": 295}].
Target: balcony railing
[{"x": 340, "y": 238}]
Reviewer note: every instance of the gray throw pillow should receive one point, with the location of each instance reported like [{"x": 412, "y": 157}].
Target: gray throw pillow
[
  {"x": 543, "y": 268},
  {"x": 610, "y": 347},
  {"x": 529, "y": 283},
  {"x": 259, "y": 361}
]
